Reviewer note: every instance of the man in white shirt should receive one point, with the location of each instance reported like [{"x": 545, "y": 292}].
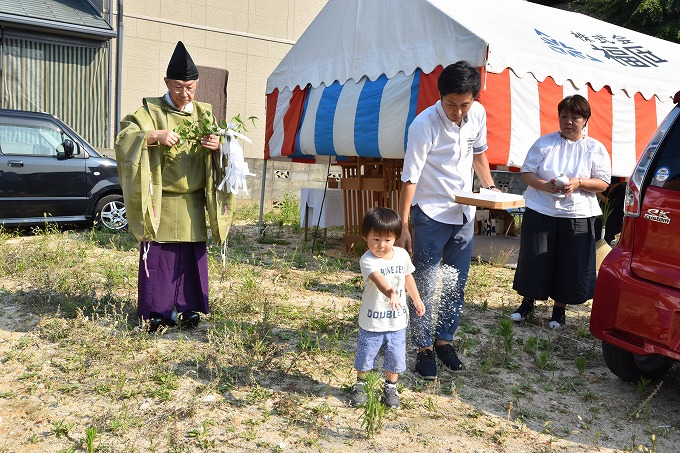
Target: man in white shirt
[{"x": 445, "y": 143}]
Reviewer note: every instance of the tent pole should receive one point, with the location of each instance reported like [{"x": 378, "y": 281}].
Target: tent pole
[{"x": 260, "y": 229}]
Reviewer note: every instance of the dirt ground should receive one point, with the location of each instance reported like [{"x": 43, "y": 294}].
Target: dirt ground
[{"x": 531, "y": 394}]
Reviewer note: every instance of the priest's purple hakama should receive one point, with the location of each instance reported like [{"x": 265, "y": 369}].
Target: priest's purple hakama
[{"x": 176, "y": 272}]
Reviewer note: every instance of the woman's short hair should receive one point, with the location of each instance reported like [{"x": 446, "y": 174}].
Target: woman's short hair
[
  {"x": 381, "y": 221},
  {"x": 576, "y": 104}
]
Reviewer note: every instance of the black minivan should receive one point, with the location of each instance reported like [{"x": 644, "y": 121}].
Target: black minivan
[{"x": 49, "y": 174}]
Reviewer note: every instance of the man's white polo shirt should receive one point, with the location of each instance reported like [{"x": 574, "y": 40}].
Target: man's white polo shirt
[{"x": 439, "y": 160}]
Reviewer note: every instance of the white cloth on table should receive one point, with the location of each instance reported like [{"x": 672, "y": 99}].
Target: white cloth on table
[{"x": 311, "y": 207}]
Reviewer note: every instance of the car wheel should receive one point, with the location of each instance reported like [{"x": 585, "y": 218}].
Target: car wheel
[
  {"x": 110, "y": 212},
  {"x": 631, "y": 367}
]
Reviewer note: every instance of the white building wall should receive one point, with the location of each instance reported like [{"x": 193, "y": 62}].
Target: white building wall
[{"x": 246, "y": 37}]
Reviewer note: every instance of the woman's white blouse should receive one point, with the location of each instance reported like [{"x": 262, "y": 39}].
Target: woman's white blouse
[{"x": 552, "y": 155}]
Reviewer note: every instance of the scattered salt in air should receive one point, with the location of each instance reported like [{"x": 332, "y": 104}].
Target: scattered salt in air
[{"x": 445, "y": 281}]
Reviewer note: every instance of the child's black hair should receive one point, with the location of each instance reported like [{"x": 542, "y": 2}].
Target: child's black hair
[
  {"x": 459, "y": 78},
  {"x": 381, "y": 221}
]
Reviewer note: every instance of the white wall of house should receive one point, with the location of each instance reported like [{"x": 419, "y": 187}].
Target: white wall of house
[{"x": 246, "y": 37}]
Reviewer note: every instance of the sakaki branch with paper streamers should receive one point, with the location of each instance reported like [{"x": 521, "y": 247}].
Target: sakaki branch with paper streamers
[{"x": 236, "y": 168}]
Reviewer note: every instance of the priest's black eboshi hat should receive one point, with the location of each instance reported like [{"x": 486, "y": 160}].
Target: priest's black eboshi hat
[{"x": 181, "y": 66}]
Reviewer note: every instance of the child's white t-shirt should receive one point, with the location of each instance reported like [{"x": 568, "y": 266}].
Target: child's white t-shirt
[{"x": 376, "y": 314}]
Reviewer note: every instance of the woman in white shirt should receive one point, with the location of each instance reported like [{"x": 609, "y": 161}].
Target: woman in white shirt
[{"x": 564, "y": 171}]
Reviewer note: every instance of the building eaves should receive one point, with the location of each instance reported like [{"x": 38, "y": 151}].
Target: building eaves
[{"x": 66, "y": 17}]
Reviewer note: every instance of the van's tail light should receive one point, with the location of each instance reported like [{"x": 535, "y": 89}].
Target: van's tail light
[
  {"x": 632, "y": 201},
  {"x": 634, "y": 191}
]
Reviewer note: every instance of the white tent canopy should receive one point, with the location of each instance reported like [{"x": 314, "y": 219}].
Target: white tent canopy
[
  {"x": 363, "y": 69},
  {"x": 351, "y": 39}
]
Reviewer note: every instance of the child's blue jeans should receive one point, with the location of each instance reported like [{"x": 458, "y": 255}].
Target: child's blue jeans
[{"x": 369, "y": 345}]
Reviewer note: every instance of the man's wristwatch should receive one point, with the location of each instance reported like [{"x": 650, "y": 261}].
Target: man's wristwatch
[{"x": 490, "y": 187}]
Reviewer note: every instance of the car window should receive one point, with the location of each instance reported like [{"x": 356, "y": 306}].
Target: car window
[
  {"x": 666, "y": 172},
  {"x": 30, "y": 140}
]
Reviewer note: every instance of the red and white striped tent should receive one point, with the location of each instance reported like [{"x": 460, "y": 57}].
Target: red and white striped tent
[{"x": 356, "y": 78}]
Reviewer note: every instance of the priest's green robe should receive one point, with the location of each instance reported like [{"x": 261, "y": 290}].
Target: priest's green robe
[{"x": 169, "y": 190}]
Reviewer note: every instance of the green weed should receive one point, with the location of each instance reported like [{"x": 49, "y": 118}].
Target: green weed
[
  {"x": 374, "y": 409},
  {"x": 287, "y": 214},
  {"x": 90, "y": 437},
  {"x": 507, "y": 333},
  {"x": 202, "y": 435},
  {"x": 531, "y": 345},
  {"x": 61, "y": 428},
  {"x": 545, "y": 361},
  {"x": 581, "y": 364},
  {"x": 642, "y": 384}
]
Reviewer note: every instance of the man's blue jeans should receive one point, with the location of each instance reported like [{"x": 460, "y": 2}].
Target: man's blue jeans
[{"x": 436, "y": 242}]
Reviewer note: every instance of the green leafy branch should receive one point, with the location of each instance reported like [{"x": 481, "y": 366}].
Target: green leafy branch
[
  {"x": 193, "y": 131},
  {"x": 239, "y": 124}
]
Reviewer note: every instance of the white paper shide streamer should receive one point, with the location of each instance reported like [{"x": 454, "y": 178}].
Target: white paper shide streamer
[{"x": 237, "y": 168}]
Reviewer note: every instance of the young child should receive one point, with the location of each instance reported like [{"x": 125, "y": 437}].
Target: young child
[{"x": 384, "y": 315}]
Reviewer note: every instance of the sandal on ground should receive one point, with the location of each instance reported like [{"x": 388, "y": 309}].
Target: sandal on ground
[
  {"x": 558, "y": 319},
  {"x": 523, "y": 310}
]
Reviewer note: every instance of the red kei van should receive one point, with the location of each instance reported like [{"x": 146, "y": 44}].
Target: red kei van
[{"x": 636, "y": 306}]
